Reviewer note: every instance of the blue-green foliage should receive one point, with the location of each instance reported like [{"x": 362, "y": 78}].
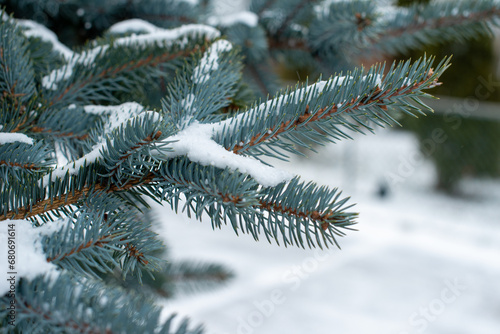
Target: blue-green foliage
[
  {"x": 127, "y": 155},
  {"x": 187, "y": 100},
  {"x": 117, "y": 159},
  {"x": 24, "y": 160},
  {"x": 16, "y": 71},
  {"x": 99, "y": 236},
  {"x": 337, "y": 106},
  {"x": 70, "y": 305},
  {"x": 114, "y": 70}
]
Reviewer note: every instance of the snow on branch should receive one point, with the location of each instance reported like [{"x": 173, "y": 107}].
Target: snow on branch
[
  {"x": 12, "y": 137},
  {"x": 338, "y": 102},
  {"x": 37, "y": 30},
  {"x": 155, "y": 36},
  {"x": 197, "y": 144},
  {"x": 210, "y": 61},
  {"x": 30, "y": 259},
  {"x": 117, "y": 116}
]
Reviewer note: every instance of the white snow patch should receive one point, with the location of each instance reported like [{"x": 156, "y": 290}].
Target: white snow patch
[
  {"x": 118, "y": 116},
  {"x": 12, "y": 137},
  {"x": 162, "y": 37},
  {"x": 195, "y": 142},
  {"x": 4, "y": 16},
  {"x": 34, "y": 29},
  {"x": 30, "y": 261},
  {"x": 133, "y": 25},
  {"x": 85, "y": 58},
  {"x": 167, "y": 37},
  {"x": 210, "y": 61},
  {"x": 60, "y": 158},
  {"x": 188, "y": 101},
  {"x": 245, "y": 17}
]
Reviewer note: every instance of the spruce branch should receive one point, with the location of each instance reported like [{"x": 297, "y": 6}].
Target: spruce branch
[
  {"x": 103, "y": 234},
  {"x": 85, "y": 86},
  {"x": 17, "y": 84},
  {"x": 294, "y": 212},
  {"x": 67, "y": 305},
  {"x": 67, "y": 198},
  {"x": 419, "y": 24},
  {"x": 190, "y": 276},
  {"x": 341, "y": 102},
  {"x": 48, "y": 131},
  {"x": 18, "y": 160},
  {"x": 292, "y": 14},
  {"x": 389, "y": 29},
  {"x": 188, "y": 98}
]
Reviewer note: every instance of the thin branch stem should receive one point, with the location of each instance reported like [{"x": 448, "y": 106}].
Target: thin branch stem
[
  {"x": 111, "y": 72},
  {"x": 72, "y": 197},
  {"x": 324, "y": 218},
  {"x": 442, "y": 22},
  {"x": 30, "y": 166},
  {"x": 98, "y": 243},
  {"x": 323, "y": 113},
  {"x": 38, "y": 129}
]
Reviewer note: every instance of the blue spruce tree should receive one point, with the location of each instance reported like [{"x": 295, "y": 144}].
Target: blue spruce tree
[{"x": 178, "y": 105}]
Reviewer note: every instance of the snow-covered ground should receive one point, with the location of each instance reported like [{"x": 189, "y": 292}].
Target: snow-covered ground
[{"x": 421, "y": 262}]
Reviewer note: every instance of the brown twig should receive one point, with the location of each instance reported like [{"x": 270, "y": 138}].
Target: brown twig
[
  {"x": 441, "y": 22},
  {"x": 325, "y": 112},
  {"x": 30, "y": 166},
  {"x": 38, "y": 129},
  {"x": 129, "y": 66},
  {"x": 99, "y": 243},
  {"x": 146, "y": 141},
  {"x": 79, "y": 327},
  {"x": 320, "y": 217}
]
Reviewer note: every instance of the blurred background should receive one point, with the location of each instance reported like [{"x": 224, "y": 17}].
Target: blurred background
[{"x": 426, "y": 256}]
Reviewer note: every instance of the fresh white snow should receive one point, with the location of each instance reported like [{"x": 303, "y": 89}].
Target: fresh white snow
[
  {"x": 421, "y": 262},
  {"x": 154, "y": 35},
  {"x": 133, "y": 25},
  {"x": 197, "y": 144},
  {"x": 29, "y": 261},
  {"x": 117, "y": 116},
  {"x": 244, "y": 17},
  {"x": 210, "y": 61},
  {"x": 12, "y": 137}
]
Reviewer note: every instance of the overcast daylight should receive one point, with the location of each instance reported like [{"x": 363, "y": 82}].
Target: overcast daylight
[{"x": 250, "y": 166}]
